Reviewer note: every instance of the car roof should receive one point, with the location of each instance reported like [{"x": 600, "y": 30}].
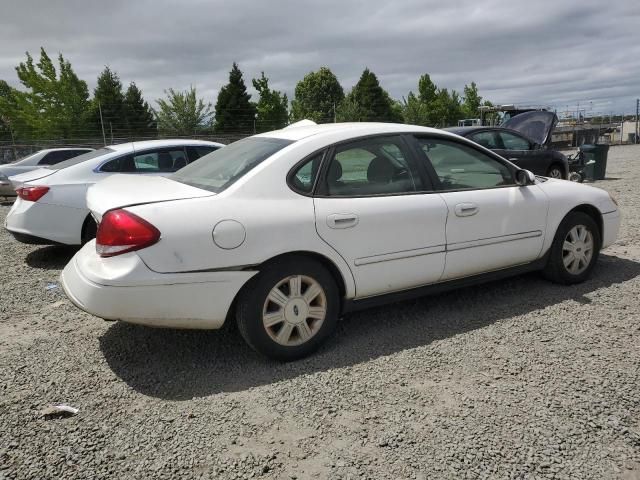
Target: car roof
[
  {"x": 464, "y": 131},
  {"x": 145, "y": 144},
  {"x": 356, "y": 128},
  {"x": 62, "y": 149}
]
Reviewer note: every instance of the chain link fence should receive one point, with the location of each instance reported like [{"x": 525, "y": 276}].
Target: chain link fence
[{"x": 12, "y": 151}]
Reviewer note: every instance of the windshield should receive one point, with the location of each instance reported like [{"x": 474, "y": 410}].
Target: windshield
[
  {"x": 221, "y": 168},
  {"x": 80, "y": 159}
]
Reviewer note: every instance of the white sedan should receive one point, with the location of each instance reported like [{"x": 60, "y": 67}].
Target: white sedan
[
  {"x": 39, "y": 159},
  {"x": 287, "y": 230},
  {"x": 51, "y": 203}
]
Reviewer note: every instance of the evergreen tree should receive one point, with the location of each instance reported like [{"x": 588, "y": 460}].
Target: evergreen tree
[
  {"x": 272, "y": 106},
  {"x": 108, "y": 97},
  {"x": 54, "y": 103},
  {"x": 139, "y": 116},
  {"x": 373, "y": 103},
  {"x": 7, "y": 111},
  {"x": 426, "y": 89},
  {"x": 317, "y": 97},
  {"x": 234, "y": 111},
  {"x": 183, "y": 113}
]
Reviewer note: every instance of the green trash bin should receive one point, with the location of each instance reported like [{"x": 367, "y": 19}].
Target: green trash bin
[
  {"x": 588, "y": 153},
  {"x": 600, "y": 156}
]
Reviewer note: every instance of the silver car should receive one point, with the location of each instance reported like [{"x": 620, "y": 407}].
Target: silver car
[{"x": 41, "y": 158}]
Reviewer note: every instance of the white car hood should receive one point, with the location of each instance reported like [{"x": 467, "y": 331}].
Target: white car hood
[
  {"x": 19, "y": 180},
  {"x": 123, "y": 190}
]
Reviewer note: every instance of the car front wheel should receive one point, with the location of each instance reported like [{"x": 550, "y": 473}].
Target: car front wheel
[
  {"x": 574, "y": 250},
  {"x": 289, "y": 309}
]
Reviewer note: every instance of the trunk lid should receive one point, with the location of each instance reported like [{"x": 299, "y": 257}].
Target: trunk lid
[
  {"x": 123, "y": 190},
  {"x": 537, "y": 125},
  {"x": 19, "y": 180}
]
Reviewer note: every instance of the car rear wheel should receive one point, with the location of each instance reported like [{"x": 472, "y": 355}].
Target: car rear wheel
[
  {"x": 574, "y": 250},
  {"x": 555, "y": 171},
  {"x": 89, "y": 230},
  {"x": 289, "y": 309}
]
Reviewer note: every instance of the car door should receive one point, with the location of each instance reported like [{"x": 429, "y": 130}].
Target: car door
[
  {"x": 374, "y": 208},
  {"x": 492, "y": 223},
  {"x": 521, "y": 152}
]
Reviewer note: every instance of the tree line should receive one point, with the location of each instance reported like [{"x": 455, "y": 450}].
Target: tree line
[{"x": 55, "y": 103}]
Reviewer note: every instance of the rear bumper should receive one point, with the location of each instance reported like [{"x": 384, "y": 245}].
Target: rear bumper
[
  {"x": 45, "y": 222},
  {"x": 610, "y": 227},
  {"x": 123, "y": 288},
  {"x": 6, "y": 189}
]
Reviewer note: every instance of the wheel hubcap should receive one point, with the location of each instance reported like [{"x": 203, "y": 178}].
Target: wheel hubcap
[
  {"x": 577, "y": 249},
  {"x": 555, "y": 173},
  {"x": 294, "y": 310}
]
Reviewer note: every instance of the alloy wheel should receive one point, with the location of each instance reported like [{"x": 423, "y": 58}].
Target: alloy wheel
[
  {"x": 577, "y": 249},
  {"x": 294, "y": 310},
  {"x": 555, "y": 173}
]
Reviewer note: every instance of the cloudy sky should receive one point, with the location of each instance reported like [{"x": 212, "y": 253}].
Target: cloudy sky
[{"x": 558, "y": 53}]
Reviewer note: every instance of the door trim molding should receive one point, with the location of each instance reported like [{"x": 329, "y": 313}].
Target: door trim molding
[
  {"x": 493, "y": 240},
  {"x": 386, "y": 257}
]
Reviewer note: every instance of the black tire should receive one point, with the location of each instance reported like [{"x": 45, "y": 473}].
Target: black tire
[
  {"x": 89, "y": 230},
  {"x": 252, "y": 302},
  {"x": 556, "y": 171},
  {"x": 555, "y": 269}
]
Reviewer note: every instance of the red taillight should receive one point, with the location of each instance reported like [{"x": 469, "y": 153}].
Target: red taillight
[
  {"x": 121, "y": 231},
  {"x": 31, "y": 194}
]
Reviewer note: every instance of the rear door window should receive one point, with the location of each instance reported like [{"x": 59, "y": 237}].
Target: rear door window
[{"x": 374, "y": 166}]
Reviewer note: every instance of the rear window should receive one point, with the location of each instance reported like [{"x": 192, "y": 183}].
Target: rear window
[
  {"x": 221, "y": 168},
  {"x": 80, "y": 159}
]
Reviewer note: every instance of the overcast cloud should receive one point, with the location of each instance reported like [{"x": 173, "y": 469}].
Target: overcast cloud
[{"x": 553, "y": 53}]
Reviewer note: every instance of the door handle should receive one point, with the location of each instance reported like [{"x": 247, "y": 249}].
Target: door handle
[
  {"x": 466, "y": 209},
  {"x": 513, "y": 159},
  {"x": 342, "y": 220}
]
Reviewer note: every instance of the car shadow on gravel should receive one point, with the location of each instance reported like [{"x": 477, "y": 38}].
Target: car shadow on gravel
[
  {"x": 180, "y": 364},
  {"x": 52, "y": 257}
]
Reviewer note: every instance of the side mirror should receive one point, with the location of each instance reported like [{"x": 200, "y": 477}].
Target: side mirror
[
  {"x": 525, "y": 177},
  {"x": 535, "y": 146}
]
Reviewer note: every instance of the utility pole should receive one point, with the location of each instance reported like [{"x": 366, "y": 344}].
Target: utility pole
[
  {"x": 111, "y": 130},
  {"x": 104, "y": 138},
  {"x": 637, "y": 114},
  {"x": 334, "y": 113}
]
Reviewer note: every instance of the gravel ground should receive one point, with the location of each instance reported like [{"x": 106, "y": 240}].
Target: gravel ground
[{"x": 514, "y": 379}]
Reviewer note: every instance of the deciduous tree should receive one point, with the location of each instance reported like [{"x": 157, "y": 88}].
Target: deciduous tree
[
  {"x": 183, "y": 113},
  {"x": 272, "y": 106},
  {"x": 54, "y": 102},
  {"x": 317, "y": 96}
]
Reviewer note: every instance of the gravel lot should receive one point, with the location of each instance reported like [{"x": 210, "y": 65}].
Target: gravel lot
[{"x": 514, "y": 379}]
